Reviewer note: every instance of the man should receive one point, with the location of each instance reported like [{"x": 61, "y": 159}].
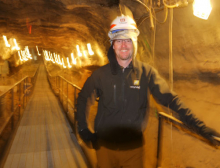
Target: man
[{"x": 123, "y": 87}]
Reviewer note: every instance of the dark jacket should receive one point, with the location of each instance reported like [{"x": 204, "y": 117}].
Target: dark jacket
[{"x": 124, "y": 99}]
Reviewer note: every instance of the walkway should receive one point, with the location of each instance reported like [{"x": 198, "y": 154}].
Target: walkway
[{"x": 44, "y": 137}]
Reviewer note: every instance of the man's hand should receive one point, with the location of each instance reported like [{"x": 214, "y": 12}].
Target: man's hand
[
  {"x": 87, "y": 136},
  {"x": 210, "y": 134}
]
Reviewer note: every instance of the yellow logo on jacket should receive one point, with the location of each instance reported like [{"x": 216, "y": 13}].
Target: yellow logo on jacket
[
  {"x": 136, "y": 85},
  {"x": 136, "y": 82}
]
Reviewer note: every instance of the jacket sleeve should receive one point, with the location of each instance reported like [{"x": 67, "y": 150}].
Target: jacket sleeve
[
  {"x": 82, "y": 104},
  {"x": 164, "y": 96}
]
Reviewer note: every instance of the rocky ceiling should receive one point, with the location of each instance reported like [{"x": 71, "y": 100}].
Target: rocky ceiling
[
  {"x": 59, "y": 25},
  {"x": 55, "y": 25}
]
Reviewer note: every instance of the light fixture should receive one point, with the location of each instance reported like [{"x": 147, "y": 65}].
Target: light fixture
[
  {"x": 64, "y": 66},
  {"x": 24, "y": 54},
  {"x": 38, "y": 51},
  {"x": 6, "y": 41},
  {"x": 202, "y": 8},
  {"x": 73, "y": 59},
  {"x": 90, "y": 49},
  {"x": 20, "y": 56},
  {"x": 85, "y": 54},
  {"x": 51, "y": 58},
  {"x": 16, "y": 45},
  {"x": 59, "y": 60},
  {"x": 46, "y": 55},
  {"x": 55, "y": 57},
  {"x": 27, "y": 52},
  {"x": 78, "y": 51},
  {"x": 67, "y": 59}
]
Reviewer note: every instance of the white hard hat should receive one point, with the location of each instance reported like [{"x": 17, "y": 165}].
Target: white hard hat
[{"x": 123, "y": 25}]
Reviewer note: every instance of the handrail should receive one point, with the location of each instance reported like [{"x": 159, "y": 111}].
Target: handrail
[
  {"x": 180, "y": 122},
  {"x": 6, "y": 123},
  {"x": 12, "y": 104},
  {"x": 63, "y": 79},
  {"x": 160, "y": 131},
  {"x": 65, "y": 95},
  {"x": 70, "y": 82},
  {"x": 58, "y": 79},
  {"x": 11, "y": 87},
  {"x": 21, "y": 101}
]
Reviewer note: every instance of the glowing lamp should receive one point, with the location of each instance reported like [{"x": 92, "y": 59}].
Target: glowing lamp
[
  {"x": 38, "y": 51},
  {"x": 27, "y": 52},
  {"x": 63, "y": 63},
  {"x": 73, "y": 59},
  {"x": 20, "y": 56},
  {"x": 6, "y": 41},
  {"x": 90, "y": 49},
  {"x": 202, "y": 8},
  {"x": 59, "y": 60},
  {"x": 69, "y": 66},
  {"x": 23, "y": 55},
  {"x": 46, "y": 55},
  {"x": 51, "y": 57},
  {"x": 78, "y": 51},
  {"x": 16, "y": 45},
  {"x": 55, "y": 57},
  {"x": 84, "y": 53}
]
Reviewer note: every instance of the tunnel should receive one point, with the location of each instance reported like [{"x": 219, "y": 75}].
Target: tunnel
[{"x": 57, "y": 45}]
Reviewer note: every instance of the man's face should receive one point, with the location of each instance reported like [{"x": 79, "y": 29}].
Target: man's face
[{"x": 123, "y": 49}]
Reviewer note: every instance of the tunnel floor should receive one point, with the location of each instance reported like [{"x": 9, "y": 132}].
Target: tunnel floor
[{"x": 44, "y": 138}]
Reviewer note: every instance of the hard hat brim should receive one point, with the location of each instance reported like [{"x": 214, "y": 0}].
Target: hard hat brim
[{"x": 123, "y": 34}]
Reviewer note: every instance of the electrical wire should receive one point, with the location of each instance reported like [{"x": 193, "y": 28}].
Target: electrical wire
[
  {"x": 141, "y": 20},
  {"x": 171, "y": 67},
  {"x": 120, "y": 9},
  {"x": 154, "y": 37},
  {"x": 166, "y": 6},
  {"x": 165, "y": 18},
  {"x": 171, "y": 6},
  {"x": 149, "y": 9},
  {"x": 170, "y": 49},
  {"x": 143, "y": 4}
]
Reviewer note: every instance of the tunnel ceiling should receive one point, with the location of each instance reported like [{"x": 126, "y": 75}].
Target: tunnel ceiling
[
  {"x": 59, "y": 25},
  {"x": 55, "y": 25}
]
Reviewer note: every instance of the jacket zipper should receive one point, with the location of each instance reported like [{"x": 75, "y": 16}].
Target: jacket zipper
[
  {"x": 123, "y": 90},
  {"x": 115, "y": 94},
  {"x": 123, "y": 84}
]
